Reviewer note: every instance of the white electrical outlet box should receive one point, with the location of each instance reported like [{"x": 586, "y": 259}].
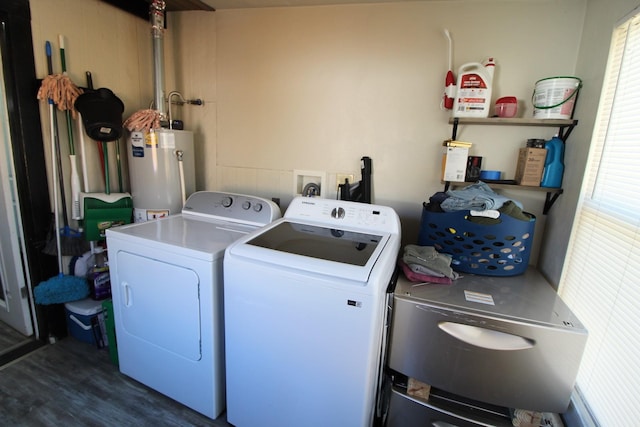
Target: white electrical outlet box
[{"x": 309, "y": 183}]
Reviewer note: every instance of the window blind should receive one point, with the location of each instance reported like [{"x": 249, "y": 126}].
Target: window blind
[{"x": 601, "y": 276}]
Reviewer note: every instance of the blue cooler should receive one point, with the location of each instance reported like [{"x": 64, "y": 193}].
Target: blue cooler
[{"x": 85, "y": 320}]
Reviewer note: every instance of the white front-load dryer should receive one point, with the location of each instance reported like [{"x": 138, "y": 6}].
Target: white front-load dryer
[{"x": 166, "y": 279}]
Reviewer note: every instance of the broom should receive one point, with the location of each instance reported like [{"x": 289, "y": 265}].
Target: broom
[
  {"x": 72, "y": 242},
  {"x": 61, "y": 288}
]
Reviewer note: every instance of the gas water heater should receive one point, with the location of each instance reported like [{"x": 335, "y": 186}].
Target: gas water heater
[{"x": 161, "y": 172}]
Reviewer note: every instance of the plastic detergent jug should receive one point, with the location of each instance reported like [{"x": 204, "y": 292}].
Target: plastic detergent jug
[
  {"x": 553, "y": 163},
  {"x": 98, "y": 276},
  {"x": 473, "y": 98}
]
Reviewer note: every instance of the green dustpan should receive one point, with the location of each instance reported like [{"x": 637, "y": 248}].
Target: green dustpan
[{"x": 102, "y": 211}]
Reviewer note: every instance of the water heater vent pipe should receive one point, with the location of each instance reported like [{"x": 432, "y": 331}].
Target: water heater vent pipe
[{"x": 156, "y": 16}]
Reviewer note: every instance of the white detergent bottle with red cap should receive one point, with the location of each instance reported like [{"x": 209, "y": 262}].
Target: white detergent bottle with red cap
[{"x": 473, "y": 98}]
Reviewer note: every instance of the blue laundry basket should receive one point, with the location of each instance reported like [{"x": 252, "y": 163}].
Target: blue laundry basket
[{"x": 500, "y": 249}]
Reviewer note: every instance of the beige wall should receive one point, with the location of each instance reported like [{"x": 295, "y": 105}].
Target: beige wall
[
  {"x": 114, "y": 46},
  {"x": 194, "y": 49},
  {"x": 317, "y": 88}
]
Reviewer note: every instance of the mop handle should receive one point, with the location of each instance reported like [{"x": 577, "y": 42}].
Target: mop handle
[
  {"x": 83, "y": 154},
  {"x": 56, "y": 137},
  {"x": 63, "y": 62},
  {"x": 99, "y": 143},
  {"x": 119, "y": 164},
  {"x": 56, "y": 215},
  {"x": 105, "y": 153}
]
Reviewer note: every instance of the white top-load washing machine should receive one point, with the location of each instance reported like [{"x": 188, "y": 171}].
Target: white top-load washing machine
[
  {"x": 305, "y": 303},
  {"x": 166, "y": 280}
]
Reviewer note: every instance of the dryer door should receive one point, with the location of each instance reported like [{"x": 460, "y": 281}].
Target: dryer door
[{"x": 159, "y": 304}]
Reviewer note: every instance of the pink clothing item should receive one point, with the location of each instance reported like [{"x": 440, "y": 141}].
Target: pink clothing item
[{"x": 417, "y": 277}]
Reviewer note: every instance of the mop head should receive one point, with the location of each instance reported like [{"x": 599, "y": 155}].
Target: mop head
[
  {"x": 61, "y": 289},
  {"x": 61, "y": 90},
  {"x": 143, "y": 120}
]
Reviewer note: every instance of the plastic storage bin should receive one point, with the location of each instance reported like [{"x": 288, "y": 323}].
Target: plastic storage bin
[
  {"x": 84, "y": 320},
  {"x": 500, "y": 249}
]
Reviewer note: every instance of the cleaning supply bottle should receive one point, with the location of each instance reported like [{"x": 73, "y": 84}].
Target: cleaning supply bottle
[
  {"x": 553, "y": 163},
  {"x": 98, "y": 276},
  {"x": 473, "y": 98}
]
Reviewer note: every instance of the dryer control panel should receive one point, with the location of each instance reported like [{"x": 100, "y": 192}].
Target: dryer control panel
[{"x": 231, "y": 206}]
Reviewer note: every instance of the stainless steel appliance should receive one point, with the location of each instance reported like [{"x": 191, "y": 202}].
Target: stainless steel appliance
[{"x": 481, "y": 343}]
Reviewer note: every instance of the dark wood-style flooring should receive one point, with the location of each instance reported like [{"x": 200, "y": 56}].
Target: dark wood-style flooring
[
  {"x": 9, "y": 337},
  {"x": 14, "y": 345},
  {"x": 71, "y": 383}
]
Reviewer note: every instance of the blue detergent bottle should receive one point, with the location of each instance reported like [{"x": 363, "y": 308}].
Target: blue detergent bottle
[{"x": 553, "y": 163}]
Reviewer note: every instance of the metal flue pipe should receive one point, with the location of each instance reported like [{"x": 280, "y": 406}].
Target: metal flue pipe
[{"x": 156, "y": 16}]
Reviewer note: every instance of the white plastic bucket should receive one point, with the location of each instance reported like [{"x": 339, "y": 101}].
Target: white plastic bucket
[{"x": 555, "y": 97}]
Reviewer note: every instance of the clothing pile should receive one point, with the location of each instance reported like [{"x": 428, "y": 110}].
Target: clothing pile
[
  {"x": 484, "y": 205},
  {"x": 425, "y": 264}
]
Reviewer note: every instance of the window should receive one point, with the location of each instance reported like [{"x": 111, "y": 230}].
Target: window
[{"x": 601, "y": 277}]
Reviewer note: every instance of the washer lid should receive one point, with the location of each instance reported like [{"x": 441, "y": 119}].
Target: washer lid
[
  {"x": 314, "y": 248},
  {"x": 330, "y": 244}
]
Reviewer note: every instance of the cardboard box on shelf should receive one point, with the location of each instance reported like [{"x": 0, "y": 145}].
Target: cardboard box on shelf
[
  {"x": 530, "y": 166},
  {"x": 454, "y": 160}
]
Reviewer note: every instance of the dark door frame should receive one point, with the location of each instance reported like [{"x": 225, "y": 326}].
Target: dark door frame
[{"x": 27, "y": 145}]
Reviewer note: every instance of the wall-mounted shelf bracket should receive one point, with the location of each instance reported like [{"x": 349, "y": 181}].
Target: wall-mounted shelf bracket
[{"x": 550, "y": 199}]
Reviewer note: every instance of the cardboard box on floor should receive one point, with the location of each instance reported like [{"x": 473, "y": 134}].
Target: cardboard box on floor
[{"x": 530, "y": 166}]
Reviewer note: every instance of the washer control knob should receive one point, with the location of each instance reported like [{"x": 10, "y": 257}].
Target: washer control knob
[
  {"x": 337, "y": 213},
  {"x": 257, "y": 207},
  {"x": 246, "y": 205},
  {"x": 227, "y": 201}
]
